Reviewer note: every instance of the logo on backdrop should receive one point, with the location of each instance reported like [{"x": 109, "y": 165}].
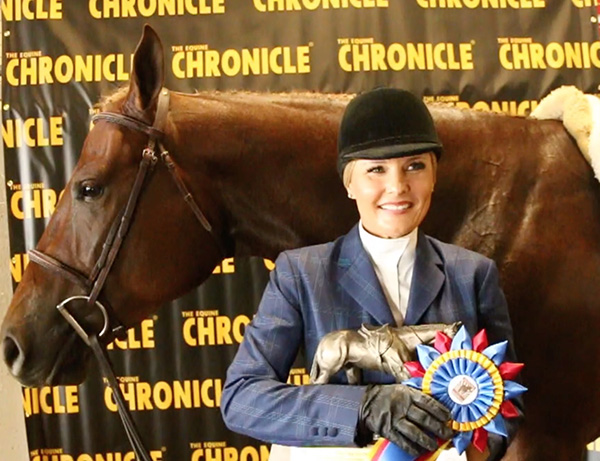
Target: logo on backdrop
[
  {"x": 58, "y": 454},
  {"x": 474, "y": 4},
  {"x": 48, "y": 400},
  {"x": 226, "y": 266},
  {"x": 163, "y": 395},
  {"x": 17, "y": 10},
  {"x": 585, "y": 3},
  {"x": 298, "y": 377},
  {"x": 218, "y": 450},
  {"x": 139, "y": 337},
  {"x": 32, "y": 132},
  {"x": 521, "y": 108},
  {"x": 265, "y": 6},
  {"x": 365, "y": 54},
  {"x": 199, "y": 61},
  {"x": 18, "y": 264},
  {"x": 515, "y": 53},
  {"x": 208, "y": 328},
  {"x": 594, "y": 446},
  {"x": 102, "y": 9},
  {"x": 34, "y": 68},
  {"x": 33, "y": 200}
]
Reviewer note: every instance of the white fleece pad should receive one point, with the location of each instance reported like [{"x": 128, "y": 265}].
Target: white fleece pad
[{"x": 580, "y": 114}]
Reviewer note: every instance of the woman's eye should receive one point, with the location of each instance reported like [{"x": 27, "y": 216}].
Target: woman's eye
[
  {"x": 376, "y": 169},
  {"x": 414, "y": 166},
  {"x": 89, "y": 191}
]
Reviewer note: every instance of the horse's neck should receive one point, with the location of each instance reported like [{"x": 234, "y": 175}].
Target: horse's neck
[
  {"x": 271, "y": 166},
  {"x": 483, "y": 164}
]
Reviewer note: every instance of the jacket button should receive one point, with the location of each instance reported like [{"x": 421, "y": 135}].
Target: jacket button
[
  {"x": 332, "y": 432},
  {"x": 314, "y": 431}
]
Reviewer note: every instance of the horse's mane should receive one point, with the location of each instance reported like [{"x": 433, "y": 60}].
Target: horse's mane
[
  {"x": 308, "y": 100},
  {"x": 300, "y": 100}
]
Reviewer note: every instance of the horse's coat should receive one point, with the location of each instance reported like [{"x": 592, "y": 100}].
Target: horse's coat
[{"x": 262, "y": 168}]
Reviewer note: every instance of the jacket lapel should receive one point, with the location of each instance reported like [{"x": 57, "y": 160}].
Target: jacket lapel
[
  {"x": 428, "y": 278},
  {"x": 358, "y": 279}
]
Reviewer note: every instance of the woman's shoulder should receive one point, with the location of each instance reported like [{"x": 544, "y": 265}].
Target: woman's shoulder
[
  {"x": 319, "y": 250},
  {"x": 308, "y": 257}
]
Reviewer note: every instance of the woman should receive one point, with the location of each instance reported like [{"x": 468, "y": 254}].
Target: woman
[{"x": 384, "y": 271}]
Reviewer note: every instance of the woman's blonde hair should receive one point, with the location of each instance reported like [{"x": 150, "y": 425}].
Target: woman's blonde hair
[
  {"x": 347, "y": 174},
  {"x": 349, "y": 169}
]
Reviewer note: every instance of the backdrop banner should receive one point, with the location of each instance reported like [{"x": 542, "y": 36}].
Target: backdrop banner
[{"x": 59, "y": 59}]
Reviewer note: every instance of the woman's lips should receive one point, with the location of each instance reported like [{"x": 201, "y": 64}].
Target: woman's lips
[{"x": 396, "y": 206}]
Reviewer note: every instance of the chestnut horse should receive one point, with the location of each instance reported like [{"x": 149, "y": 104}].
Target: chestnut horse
[{"x": 261, "y": 168}]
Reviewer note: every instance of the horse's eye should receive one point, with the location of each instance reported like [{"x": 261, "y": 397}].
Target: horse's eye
[{"x": 89, "y": 191}]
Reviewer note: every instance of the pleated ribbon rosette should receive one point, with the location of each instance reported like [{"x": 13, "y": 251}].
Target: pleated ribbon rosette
[{"x": 470, "y": 378}]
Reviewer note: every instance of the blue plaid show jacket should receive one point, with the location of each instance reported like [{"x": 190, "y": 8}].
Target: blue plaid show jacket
[{"x": 333, "y": 286}]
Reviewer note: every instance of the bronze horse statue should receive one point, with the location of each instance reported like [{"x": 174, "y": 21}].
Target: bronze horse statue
[
  {"x": 261, "y": 167},
  {"x": 383, "y": 348}
]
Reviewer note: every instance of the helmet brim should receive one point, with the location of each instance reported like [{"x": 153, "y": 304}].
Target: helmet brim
[{"x": 393, "y": 151}]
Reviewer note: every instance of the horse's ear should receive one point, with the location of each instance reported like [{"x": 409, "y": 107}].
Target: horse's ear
[{"x": 147, "y": 75}]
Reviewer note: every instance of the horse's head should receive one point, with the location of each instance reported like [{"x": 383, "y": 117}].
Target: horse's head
[{"x": 164, "y": 253}]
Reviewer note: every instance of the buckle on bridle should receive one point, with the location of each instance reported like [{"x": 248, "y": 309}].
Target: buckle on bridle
[
  {"x": 150, "y": 155},
  {"x": 76, "y": 325}
]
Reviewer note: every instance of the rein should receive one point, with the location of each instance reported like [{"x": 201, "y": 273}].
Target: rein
[{"x": 94, "y": 283}]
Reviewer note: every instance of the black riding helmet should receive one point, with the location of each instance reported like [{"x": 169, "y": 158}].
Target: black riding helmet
[{"x": 385, "y": 123}]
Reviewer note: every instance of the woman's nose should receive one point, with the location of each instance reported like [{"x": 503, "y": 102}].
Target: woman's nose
[{"x": 397, "y": 182}]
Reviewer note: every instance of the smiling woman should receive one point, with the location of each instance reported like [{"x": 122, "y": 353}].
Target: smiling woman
[
  {"x": 392, "y": 195},
  {"x": 384, "y": 271}
]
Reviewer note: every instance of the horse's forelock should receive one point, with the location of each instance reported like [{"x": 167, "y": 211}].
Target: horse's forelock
[{"x": 109, "y": 101}]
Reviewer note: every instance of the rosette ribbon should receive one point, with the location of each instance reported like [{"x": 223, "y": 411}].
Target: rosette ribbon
[{"x": 472, "y": 380}]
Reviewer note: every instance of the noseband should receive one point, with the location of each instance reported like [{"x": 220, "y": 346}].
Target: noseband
[{"x": 94, "y": 283}]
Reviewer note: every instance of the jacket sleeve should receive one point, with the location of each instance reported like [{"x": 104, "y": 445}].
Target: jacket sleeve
[
  {"x": 494, "y": 317},
  {"x": 256, "y": 400}
]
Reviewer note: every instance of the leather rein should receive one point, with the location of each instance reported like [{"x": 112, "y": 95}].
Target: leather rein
[{"x": 94, "y": 283}]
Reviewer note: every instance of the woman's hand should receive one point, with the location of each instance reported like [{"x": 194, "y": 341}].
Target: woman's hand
[{"x": 405, "y": 416}]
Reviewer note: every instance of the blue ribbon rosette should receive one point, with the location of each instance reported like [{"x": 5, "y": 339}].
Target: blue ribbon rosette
[{"x": 472, "y": 380}]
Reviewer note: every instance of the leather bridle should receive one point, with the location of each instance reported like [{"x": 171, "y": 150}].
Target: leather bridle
[{"x": 94, "y": 283}]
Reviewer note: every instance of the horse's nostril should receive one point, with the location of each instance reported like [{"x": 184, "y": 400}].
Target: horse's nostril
[{"x": 12, "y": 353}]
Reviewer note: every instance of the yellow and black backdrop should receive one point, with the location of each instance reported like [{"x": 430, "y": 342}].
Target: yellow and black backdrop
[{"x": 61, "y": 56}]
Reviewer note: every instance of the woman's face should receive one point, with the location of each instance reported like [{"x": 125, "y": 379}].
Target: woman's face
[{"x": 392, "y": 195}]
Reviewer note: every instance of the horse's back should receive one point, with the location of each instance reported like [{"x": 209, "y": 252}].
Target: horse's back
[{"x": 519, "y": 191}]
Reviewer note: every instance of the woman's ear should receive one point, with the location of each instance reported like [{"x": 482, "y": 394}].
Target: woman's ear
[{"x": 348, "y": 187}]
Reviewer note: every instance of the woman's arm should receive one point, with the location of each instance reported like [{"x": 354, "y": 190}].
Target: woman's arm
[{"x": 256, "y": 400}]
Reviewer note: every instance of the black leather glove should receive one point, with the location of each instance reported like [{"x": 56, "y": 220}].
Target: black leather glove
[{"x": 403, "y": 415}]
